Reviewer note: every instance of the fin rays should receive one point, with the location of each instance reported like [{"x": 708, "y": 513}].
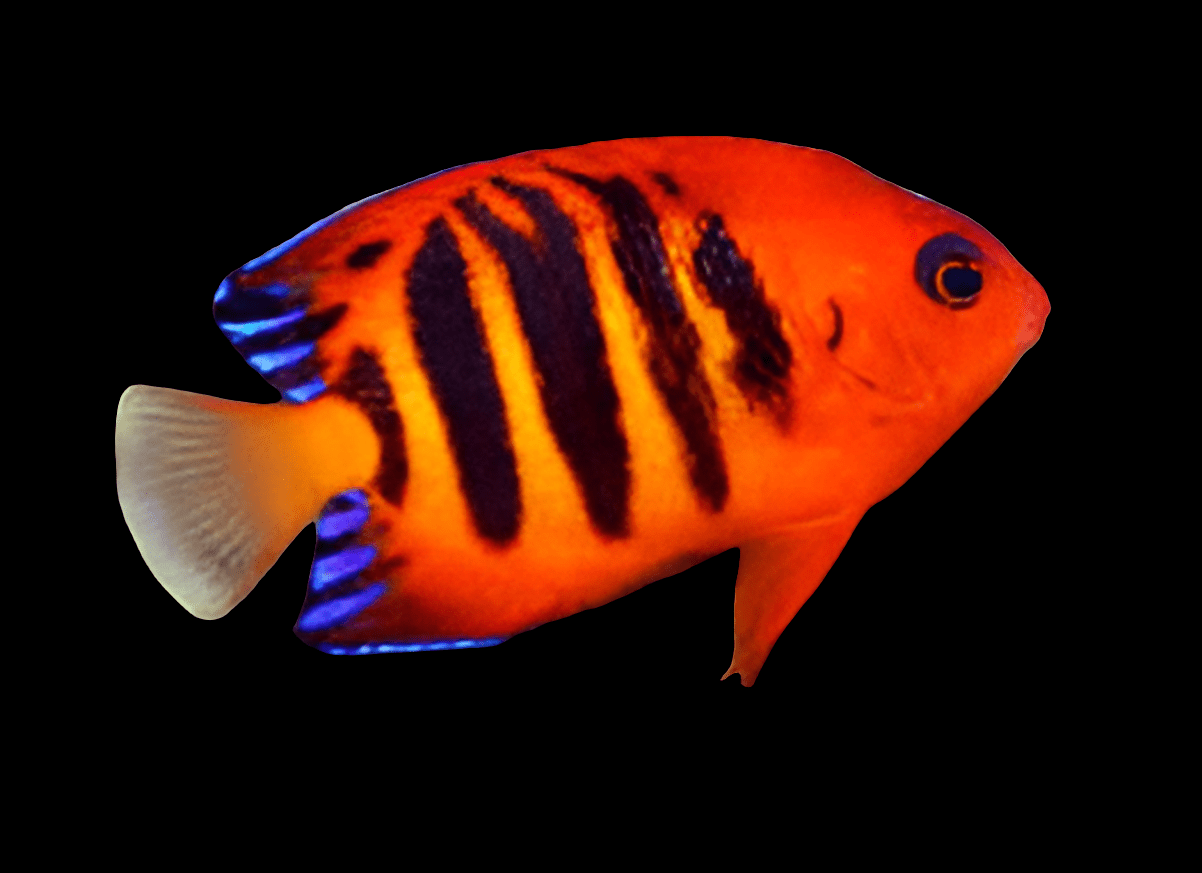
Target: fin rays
[{"x": 202, "y": 496}]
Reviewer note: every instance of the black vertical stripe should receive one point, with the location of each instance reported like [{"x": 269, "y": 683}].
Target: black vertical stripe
[
  {"x": 366, "y": 385},
  {"x": 556, "y": 306},
  {"x": 674, "y": 349},
  {"x": 762, "y": 363},
  {"x": 450, "y": 340}
]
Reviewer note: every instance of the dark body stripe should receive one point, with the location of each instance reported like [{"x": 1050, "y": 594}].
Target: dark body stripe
[
  {"x": 557, "y": 309},
  {"x": 764, "y": 358},
  {"x": 674, "y": 361},
  {"x": 450, "y": 340},
  {"x": 366, "y": 385}
]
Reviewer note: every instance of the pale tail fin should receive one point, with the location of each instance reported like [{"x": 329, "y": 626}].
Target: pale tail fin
[{"x": 215, "y": 490}]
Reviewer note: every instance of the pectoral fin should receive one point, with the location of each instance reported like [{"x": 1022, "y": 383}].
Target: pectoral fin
[{"x": 777, "y": 574}]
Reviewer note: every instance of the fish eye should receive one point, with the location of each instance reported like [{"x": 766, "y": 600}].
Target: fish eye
[{"x": 945, "y": 270}]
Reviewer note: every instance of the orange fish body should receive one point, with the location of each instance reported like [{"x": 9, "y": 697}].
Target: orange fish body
[{"x": 521, "y": 389}]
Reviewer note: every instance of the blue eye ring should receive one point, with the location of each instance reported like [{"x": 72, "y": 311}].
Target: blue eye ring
[{"x": 945, "y": 269}]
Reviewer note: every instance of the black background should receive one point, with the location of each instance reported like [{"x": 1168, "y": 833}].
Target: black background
[{"x": 945, "y": 612}]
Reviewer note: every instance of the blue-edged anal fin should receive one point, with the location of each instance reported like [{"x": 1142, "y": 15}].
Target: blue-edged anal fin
[{"x": 777, "y": 574}]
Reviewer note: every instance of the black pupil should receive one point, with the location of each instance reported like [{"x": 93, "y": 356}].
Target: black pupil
[{"x": 961, "y": 281}]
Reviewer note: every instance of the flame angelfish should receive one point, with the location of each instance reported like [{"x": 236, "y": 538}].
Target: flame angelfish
[{"x": 520, "y": 389}]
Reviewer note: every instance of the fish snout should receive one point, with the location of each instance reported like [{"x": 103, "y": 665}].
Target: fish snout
[{"x": 1035, "y": 309}]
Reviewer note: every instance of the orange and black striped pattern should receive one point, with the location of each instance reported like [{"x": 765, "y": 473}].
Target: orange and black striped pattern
[{"x": 544, "y": 238}]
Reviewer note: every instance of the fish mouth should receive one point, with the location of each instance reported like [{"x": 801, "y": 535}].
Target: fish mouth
[{"x": 1036, "y": 307}]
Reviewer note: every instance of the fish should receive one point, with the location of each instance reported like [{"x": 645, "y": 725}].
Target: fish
[{"x": 520, "y": 389}]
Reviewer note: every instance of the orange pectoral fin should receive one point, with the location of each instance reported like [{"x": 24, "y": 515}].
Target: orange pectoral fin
[{"x": 777, "y": 574}]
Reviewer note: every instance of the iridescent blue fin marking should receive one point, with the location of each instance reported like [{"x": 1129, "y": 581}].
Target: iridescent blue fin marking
[
  {"x": 298, "y": 379},
  {"x": 340, "y": 566},
  {"x": 261, "y": 316},
  {"x": 384, "y": 648},
  {"x": 273, "y": 327},
  {"x": 339, "y": 609},
  {"x": 336, "y": 592},
  {"x": 306, "y": 392},
  {"x": 311, "y": 327},
  {"x": 339, "y": 522},
  {"x": 239, "y": 332},
  {"x": 269, "y": 362},
  {"x": 237, "y": 302}
]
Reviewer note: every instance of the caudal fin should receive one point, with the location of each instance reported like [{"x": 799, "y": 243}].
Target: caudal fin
[{"x": 213, "y": 490}]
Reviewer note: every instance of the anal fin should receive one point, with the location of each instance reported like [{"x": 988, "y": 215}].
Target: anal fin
[{"x": 777, "y": 574}]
